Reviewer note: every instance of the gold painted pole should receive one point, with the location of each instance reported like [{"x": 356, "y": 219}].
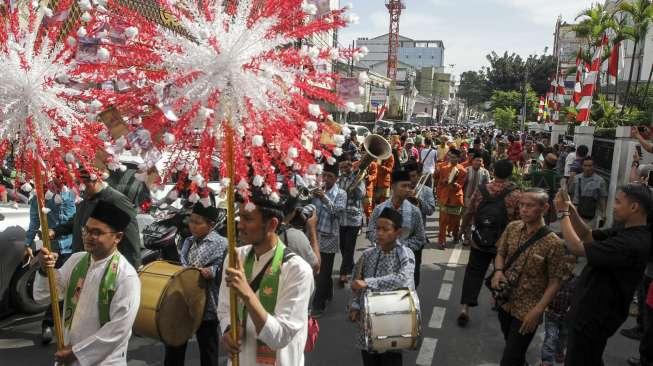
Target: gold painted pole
[
  {"x": 52, "y": 281},
  {"x": 231, "y": 235}
]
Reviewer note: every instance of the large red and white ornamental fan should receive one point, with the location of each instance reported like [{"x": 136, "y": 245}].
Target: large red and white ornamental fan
[{"x": 589, "y": 85}]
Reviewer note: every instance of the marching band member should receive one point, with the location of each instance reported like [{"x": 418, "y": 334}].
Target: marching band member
[
  {"x": 351, "y": 221},
  {"x": 101, "y": 292},
  {"x": 386, "y": 267},
  {"x": 426, "y": 200},
  {"x": 451, "y": 179},
  {"x": 205, "y": 250},
  {"x": 276, "y": 316},
  {"x": 383, "y": 180},
  {"x": 330, "y": 205},
  {"x": 413, "y": 235},
  {"x": 370, "y": 183}
]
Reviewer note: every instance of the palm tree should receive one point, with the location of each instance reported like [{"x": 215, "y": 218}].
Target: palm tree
[
  {"x": 595, "y": 21},
  {"x": 640, "y": 13}
]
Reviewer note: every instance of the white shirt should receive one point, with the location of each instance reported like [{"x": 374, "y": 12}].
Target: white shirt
[
  {"x": 284, "y": 331},
  {"x": 428, "y": 162},
  {"x": 568, "y": 162},
  {"x": 92, "y": 344}
]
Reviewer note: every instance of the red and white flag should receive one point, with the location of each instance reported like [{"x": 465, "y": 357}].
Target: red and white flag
[
  {"x": 616, "y": 63},
  {"x": 589, "y": 85},
  {"x": 540, "y": 110},
  {"x": 578, "y": 86},
  {"x": 381, "y": 112}
]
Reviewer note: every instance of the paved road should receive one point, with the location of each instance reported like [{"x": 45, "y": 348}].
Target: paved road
[{"x": 480, "y": 344}]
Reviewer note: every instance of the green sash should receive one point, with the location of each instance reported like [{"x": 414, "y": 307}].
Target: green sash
[
  {"x": 267, "y": 294},
  {"x": 105, "y": 294}
]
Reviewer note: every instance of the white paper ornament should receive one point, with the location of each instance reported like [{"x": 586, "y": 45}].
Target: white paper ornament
[
  {"x": 86, "y": 17},
  {"x": 274, "y": 197},
  {"x": 294, "y": 192},
  {"x": 81, "y": 32},
  {"x": 48, "y": 195},
  {"x": 331, "y": 160},
  {"x": 258, "y": 180},
  {"x": 57, "y": 199},
  {"x": 194, "y": 197},
  {"x": 339, "y": 140},
  {"x": 131, "y": 32},
  {"x": 311, "y": 126},
  {"x": 314, "y": 110},
  {"x": 257, "y": 141},
  {"x": 337, "y": 151},
  {"x": 168, "y": 138},
  {"x": 293, "y": 153},
  {"x": 173, "y": 195},
  {"x": 205, "y": 201},
  {"x": 26, "y": 187},
  {"x": 249, "y": 207}
]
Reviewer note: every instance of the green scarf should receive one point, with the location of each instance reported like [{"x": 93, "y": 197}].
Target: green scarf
[
  {"x": 267, "y": 294},
  {"x": 105, "y": 294}
]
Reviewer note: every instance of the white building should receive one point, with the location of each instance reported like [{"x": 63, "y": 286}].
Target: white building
[{"x": 417, "y": 53}]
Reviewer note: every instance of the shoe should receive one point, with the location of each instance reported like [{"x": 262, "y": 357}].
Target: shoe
[
  {"x": 46, "y": 335},
  {"x": 463, "y": 319},
  {"x": 634, "y": 361},
  {"x": 442, "y": 246},
  {"x": 632, "y": 333}
]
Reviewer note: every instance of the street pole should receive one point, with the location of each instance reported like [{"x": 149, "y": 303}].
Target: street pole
[{"x": 523, "y": 120}]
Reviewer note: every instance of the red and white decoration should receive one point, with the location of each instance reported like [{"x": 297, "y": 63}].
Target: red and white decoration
[{"x": 589, "y": 85}]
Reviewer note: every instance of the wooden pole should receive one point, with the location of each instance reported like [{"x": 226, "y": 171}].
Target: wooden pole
[
  {"x": 52, "y": 281},
  {"x": 231, "y": 235}
]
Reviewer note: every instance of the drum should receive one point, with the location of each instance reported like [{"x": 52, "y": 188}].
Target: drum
[
  {"x": 172, "y": 302},
  {"x": 391, "y": 320}
]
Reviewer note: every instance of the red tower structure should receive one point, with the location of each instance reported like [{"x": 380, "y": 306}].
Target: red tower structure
[{"x": 394, "y": 7}]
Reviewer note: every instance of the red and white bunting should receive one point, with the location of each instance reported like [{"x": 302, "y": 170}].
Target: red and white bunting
[
  {"x": 540, "y": 110},
  {"x": 578, "y": 86},
  {"x": 589, "y": 85}
]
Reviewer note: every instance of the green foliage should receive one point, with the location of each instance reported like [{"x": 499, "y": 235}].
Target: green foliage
[
  {"x": 473, "y": 87},
  {"x": 515, "y": 99},
  {"x": 505, "y": 118},
  {"x": 603, "y": 113}
]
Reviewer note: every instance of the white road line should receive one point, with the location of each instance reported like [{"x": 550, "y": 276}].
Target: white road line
[
  {"x": 425, "y": 355},
  {"x": 449, "y": 275},
  {"x": 445, "y": 291},
  {"x": 437, "y": 318},
  {"x": 455, "y": 255}
]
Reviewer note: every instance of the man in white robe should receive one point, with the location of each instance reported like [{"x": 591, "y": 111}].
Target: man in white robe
[
  {"x": 285, "y": 329},
  {"x": 88, "y": 339}
]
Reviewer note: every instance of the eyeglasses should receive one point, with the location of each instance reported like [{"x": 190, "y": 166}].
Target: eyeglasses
[{"x": 95, "y": 232}]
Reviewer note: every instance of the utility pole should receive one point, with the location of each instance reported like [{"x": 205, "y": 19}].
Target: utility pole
[{"x": 523, "y": 120}]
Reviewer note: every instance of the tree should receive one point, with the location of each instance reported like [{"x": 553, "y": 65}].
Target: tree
[
  {"x": 505, "y": 118},
  {"x": 514, "y": 99},
  {"x": 505, "y": 72},
  {"x": 473, "y": 87},
  {"x": 595, "y": 21},
  {"x": 539, "y": 70},
  {"x": 640, "y": 13}
]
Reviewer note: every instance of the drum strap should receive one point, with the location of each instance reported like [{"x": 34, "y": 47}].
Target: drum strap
[{"x": 105, "y": 294}]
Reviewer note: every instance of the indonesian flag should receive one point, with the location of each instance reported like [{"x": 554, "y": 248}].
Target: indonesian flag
[
  {"x": 590, "y": 83},
  {"x": 616, "y": 63},
  {"x": 578, "y": 86}
]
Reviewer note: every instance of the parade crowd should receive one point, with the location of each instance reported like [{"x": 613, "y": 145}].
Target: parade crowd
[{"x": 533, "y": 216}]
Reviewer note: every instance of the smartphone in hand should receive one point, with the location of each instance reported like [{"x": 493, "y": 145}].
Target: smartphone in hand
[{"x": 563, "y": 190}]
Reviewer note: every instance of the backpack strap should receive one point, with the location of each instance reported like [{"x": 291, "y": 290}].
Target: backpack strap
[{"x": 506, "y": 191}]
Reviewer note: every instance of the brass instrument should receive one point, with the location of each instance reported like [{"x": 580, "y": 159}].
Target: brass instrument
[
  {"x": 452, "y": 175},
  {"x": 421, "y": 183},
  {"x": 376, "y": 148},
  {"x": 306, "y": 193}
]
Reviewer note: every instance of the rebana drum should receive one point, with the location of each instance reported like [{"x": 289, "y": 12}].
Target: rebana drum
[{"x": 391, "y": 320}]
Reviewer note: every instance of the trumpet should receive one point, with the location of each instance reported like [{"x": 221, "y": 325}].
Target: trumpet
[
  {"x": 376, "y": 148},
  {"x": 421, "y": 183},
  {"x": 306, "y": 193}
]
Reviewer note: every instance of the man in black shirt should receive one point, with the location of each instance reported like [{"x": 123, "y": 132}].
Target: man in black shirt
[{"x": 616, "y": 259}]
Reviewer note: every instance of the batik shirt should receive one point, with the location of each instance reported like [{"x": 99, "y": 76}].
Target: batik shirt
[
  {"x": 427, "y": 207},
  {"x": 413, "y": 235},
  {"x": 207, "y": 252},
  {"x": 353, "y": 214},
  {"x": 329, "y": 211},
  {"x": 382, "y": 271}
]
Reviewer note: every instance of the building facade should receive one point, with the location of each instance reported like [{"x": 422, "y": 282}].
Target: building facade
[{"x": 417, "y": 53}]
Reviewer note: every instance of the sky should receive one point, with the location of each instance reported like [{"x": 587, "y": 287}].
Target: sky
[{"x": 469, "y": 29}]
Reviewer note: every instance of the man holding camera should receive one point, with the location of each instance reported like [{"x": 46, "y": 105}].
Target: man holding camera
[
  {"x": 590, "y": 194},
  {"x": 616, "y": 259},
  {"x": 528, "y": 271}
]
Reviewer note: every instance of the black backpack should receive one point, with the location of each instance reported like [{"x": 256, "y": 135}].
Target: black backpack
[{"x": 491, "y": 218}]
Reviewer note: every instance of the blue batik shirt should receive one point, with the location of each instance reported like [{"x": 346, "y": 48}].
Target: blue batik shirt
[
  {"x": 413, "y": 235},
  {"x": 207, "y": 252},
  {"x": 59, "y": 213},
  {"x": 329, "y": 210},
  {"x": 353, "y": 212}
]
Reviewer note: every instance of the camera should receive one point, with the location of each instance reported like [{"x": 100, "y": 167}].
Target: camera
[{"x": 302, "y": 214}]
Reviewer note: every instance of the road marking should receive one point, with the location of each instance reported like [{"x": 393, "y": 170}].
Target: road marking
[
  {"x": 449, "y": 275},
  {"x": 15, "y": 343},
  {"x": 425, "y": 355},
  {"x": 437, "y": 318},
  {"x": 445, "y": 291},
  {"x": 455, "y": 255}
]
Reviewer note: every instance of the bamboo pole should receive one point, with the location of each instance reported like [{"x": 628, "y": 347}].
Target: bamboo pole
[
  {"x": 231, "y": 235},
  {"x": 52, "y": 281}
]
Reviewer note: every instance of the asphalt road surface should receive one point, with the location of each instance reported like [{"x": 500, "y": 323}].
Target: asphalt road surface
[{"x": 479, "y": 344}]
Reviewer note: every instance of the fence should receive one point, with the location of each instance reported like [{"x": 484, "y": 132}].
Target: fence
[{"x": 602, "y": 154}]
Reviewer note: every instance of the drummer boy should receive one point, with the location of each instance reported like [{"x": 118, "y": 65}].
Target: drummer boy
[{"x": 386, "y": 267}]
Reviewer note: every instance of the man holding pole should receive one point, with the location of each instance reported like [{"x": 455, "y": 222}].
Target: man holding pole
[
  {"x": 273, "y": 286},
  {"x": 101, "y": 292}
]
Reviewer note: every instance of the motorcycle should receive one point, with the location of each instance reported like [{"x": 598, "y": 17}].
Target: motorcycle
[{"x": 163, "y": 237}]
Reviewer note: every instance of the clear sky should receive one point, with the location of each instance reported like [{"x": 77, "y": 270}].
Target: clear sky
[{"x": 470, "y": 29}]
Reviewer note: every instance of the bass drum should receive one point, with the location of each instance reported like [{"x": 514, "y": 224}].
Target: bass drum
[
  {"x": 391, "y": 320},
  {"x": 172, "y": 302}
]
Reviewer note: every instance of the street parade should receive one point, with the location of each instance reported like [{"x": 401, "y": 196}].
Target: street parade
[{"x": 307, "y": 182}]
